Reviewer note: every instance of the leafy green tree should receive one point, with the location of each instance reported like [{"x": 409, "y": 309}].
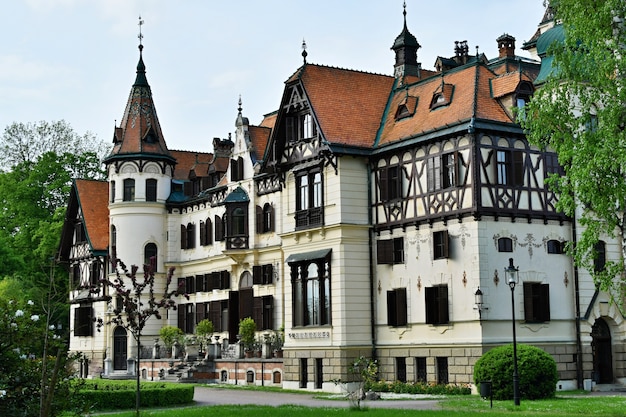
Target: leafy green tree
[
  {"x": 580, "y": 113},
  {"x": 26, "y": 142}
]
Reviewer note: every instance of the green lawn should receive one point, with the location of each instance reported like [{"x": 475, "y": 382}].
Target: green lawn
[{"x": 467, "y": 406}]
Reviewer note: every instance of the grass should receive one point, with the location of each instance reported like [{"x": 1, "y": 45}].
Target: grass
[{"x": 465, "y": 406}]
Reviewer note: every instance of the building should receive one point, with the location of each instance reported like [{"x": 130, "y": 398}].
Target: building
[{"x": 364, "y": 217}]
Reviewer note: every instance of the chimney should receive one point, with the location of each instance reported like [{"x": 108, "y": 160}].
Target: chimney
[
  {"x": 461, "y": 52},
  {"x": 506, "y": 46}
]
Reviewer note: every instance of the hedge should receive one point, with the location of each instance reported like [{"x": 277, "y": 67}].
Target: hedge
[{"x": 103, "y": 394}]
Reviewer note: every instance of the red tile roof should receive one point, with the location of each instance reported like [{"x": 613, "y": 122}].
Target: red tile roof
[
  {"x": 188, "y": 160},
  {"x": 93, "y": 198},
  {"x": 259, "y": 136},
  {"x": 348, "y": 104}
]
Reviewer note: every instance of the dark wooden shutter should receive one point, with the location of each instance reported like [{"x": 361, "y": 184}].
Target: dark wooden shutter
[
  {"x": 224, "y": 280},
  {"x": 200, "y": 312},
  {"x": 384, "y": 251},
  {"x": 183, "y": 237},
  {"x": 383, "y": 184},
  {"x": 545, "y": 302},
  {"x": 260, "y": 224},
  {"x": 442, "y": 303},
  {"x": 202, "y": 234},
  {"x": 246, "y": 304},
  {"x": 182, "y": 309},
  {"x": 529, "y": 314},
  {"x": 215, "y": 315},
  {"x": 219, "y": 229},
  {"x": 240, "y": 168},
  {"x": 430, "y": 294},
  {"x": 392, "y": 320},
  {"x": 200, "y": 287},
  {"x": 257, "y": 274},
  {"x": 272, "y": 217},
  {"x": 401, "y": 307},
  {"x": 257, "y": 312},
  {"x": 518, "y": 167}
]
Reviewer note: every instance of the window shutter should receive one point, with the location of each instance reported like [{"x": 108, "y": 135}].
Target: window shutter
[
  {"x": 182, "y": 287},
  {"x": 383, "y": 184},
  {"x": 430, "y": 294},
  {"x": 200, "y": 287},
  {"x": 240, "y": 168},
  {"x": 200, "y": 312},
  {"x": 257, "y": 274},
  {"x": 202, "y": 233},
  {"x": 442, "y": 304},
  {"x": 518, "y": 167},
  {"x": 219, "y": 232},
  {"x": 233, "y": 170},
  {"x": 401, "y": 307},
  {"x": 529, "y": 314},
  {"x": 545, "y": 302},
  {"x": 259, "y": 220},
  {"x": 445, "y": 245},
  {"x": 215, "y": 313},
  {"x": 183, "y": 237},
  {"x": 224, "y": 280},
  {"x": 257, "y": 312},
  {"x": 391, "y": 308},
  {"x": 214, "y": 282},
  {"x": 246, "y": 307},
  {"x": 384, "y": 251},
  {"x": 182, "y": 309}
]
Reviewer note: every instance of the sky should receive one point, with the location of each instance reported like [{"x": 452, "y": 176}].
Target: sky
[{"x": 76, "y": 59}]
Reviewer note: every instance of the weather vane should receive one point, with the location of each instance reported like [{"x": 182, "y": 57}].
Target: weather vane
[{"x": 140, "y": 36}]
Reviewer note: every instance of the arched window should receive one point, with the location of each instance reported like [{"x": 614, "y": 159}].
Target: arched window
[
  {"x": 555, "y": 246},
  {"x": 151, "y": 189},
  {"x": 150, "y": 255}
]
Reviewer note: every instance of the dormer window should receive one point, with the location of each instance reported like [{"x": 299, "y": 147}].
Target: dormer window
[
  {"x": 406, "y": 107},
  {"x": 300, "y": 127},
  {"x": 442, "y": 96},
  {"x": 522, "y": 97}
]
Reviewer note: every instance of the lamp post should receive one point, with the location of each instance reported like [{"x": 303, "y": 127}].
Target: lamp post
[{"x": 513, "y": 279}]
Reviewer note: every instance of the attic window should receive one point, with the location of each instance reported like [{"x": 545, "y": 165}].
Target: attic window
[
  {"x": 150, "y": 137},
  {"x": 442, "y": 96},
  {"x": 406, "y": 108}
]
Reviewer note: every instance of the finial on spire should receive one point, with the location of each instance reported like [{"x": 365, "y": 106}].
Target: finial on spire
[
  {"x": 239, "y": 109},
  {"x": 304, "y": 53},
  {"x": 404, "y": 12},
  {"x": 140, "y": 36},
  {"x": 477, "y": 53}
]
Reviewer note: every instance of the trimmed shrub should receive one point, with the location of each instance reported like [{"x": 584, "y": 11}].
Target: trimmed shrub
[
  {"x": 398, "y": 387},
  {"x": 101, "y": 394},
  {"x": 536, "y": 370}
]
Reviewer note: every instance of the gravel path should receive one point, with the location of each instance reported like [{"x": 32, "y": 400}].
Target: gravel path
[{"x": 218, "y": 396}]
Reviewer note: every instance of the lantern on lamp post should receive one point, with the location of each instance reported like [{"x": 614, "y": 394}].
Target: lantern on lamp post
[{"x": 512, "y": 274}]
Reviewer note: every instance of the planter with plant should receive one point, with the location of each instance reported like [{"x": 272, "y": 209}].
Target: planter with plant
[
  {"x": 247, "y": 332},
  {"x": 170, "y": 335}
]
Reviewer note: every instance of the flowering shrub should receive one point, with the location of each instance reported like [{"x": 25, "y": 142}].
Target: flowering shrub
[{"x": 29, "y": 380}]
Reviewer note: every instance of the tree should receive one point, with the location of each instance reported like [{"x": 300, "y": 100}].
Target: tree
[
  {"x": 26, "y": 142},
  {"x": 580, "y": 113},
  {"x": 138, "y": 302}
]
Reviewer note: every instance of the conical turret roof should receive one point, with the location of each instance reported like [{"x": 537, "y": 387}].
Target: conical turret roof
[{"x": 139, "y": 133}]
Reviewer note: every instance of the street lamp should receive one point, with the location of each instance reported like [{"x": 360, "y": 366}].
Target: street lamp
[{"x": 512, "y": 273}]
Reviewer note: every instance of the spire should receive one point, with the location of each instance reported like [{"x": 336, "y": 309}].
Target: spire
[
  {"x": 141, "y": 67},
  {"x": 139, "y": 132},
  {"x": 405, "y": 46},
  {"x": 304, "y": 53}
]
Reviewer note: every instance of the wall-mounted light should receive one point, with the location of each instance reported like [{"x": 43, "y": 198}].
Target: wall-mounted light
[{"x": 478, "y": 301}]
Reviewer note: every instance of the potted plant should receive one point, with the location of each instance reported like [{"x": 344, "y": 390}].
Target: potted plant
[
  {"x": 277, "y": 341},
  {"x": 247, "y": 331},
  {"x": 204, "y": 330},
  {"x": 170, "y": 335}
]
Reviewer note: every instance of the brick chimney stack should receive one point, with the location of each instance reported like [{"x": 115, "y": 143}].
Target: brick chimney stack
[{"x": 506, "y": 46}]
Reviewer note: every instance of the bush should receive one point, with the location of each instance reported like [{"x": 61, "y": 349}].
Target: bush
[
  {"x": 398, "y": 387},
  {"x": 101, "y": 394},
  {"x": 536, "y": 370}
]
